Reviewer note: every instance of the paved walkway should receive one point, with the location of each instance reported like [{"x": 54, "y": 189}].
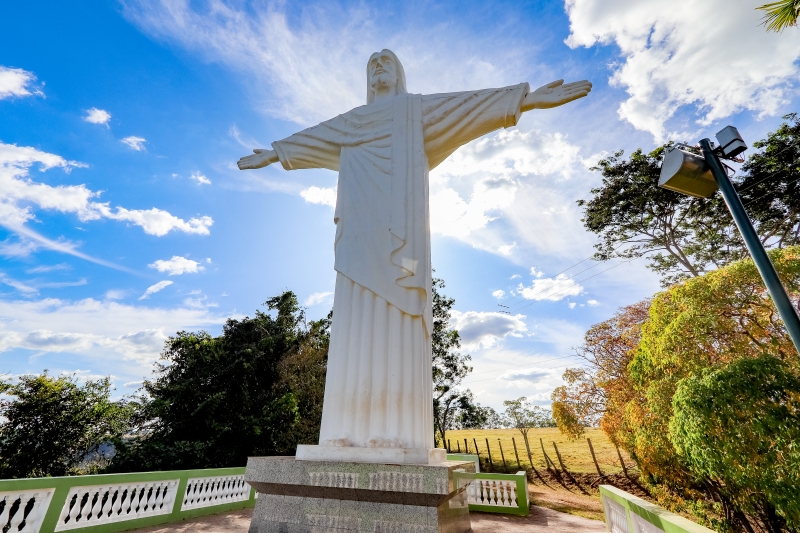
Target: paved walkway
[{"x": 539, "y": 519}]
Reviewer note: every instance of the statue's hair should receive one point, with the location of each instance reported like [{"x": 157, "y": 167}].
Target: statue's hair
[{"x": 401, "y": 76}]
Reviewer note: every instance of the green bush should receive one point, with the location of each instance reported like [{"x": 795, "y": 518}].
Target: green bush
[{"x": 739, "y": 426}]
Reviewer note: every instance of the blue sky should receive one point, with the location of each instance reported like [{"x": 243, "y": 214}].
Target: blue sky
[{"x": 123, "y": 218}]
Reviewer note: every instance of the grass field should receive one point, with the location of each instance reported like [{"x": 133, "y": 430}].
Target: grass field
[{"x": 575, "y": 454}]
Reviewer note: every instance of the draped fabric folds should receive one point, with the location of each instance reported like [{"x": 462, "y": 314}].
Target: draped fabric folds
[
  {"x": 378, "y": 389},
  {"x": 378, "y": 386}
]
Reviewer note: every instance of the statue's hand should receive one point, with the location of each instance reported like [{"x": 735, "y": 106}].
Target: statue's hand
[
  {"x": 555, "y": 94},
  {"x": 260, "y": 159}
]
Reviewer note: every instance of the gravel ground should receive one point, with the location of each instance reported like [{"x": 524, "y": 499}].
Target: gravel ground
[{"x": 539, "y": 519}]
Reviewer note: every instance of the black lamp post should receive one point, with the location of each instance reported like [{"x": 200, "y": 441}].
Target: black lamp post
[{"x": 700, "y": 176}]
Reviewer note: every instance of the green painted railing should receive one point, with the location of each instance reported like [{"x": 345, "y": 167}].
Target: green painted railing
[
  {"x": 119, "y": 502},
  {"x": 466, "y": 457},
  {"x": 625, "y": 513},
  {"x": 495, "y": 493}
]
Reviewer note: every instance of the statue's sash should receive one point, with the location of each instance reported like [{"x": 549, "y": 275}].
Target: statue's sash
[{"x": 409, "y": 208}]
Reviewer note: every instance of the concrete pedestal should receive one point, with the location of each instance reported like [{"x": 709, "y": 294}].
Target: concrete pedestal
[{"x": 339, "y": 497}]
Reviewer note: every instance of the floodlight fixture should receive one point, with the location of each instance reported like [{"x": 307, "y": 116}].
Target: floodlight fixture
[
  {"x": 698, "y": 171},
  {"x": 686, "y": 172},
  {"x": 730, "y": 142}
]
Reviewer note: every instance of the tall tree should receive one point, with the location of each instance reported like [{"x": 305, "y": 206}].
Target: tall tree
[
  {"x": 686, "y": 237},
  {"x": 450, "y": 366},
  {"x": 522, "y": 415},
  {"x": 781, "y": 14},
  {"x": 601, "y": 389},
  {"x": 216, "y": 401},
  {"x": 50, "y": 425}
]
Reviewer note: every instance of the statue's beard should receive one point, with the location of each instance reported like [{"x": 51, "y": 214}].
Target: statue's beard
[{"x": 383, "y": 80}]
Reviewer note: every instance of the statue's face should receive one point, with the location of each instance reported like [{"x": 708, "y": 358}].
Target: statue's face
[{"x": 382, "y": 71}]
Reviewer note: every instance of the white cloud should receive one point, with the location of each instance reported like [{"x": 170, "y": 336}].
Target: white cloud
[
  {"x": 668, "y": 61},
  {"x": 19, "y": 194},
  {"x": 320, "y": 195},
  {"x": 571, "y": 305},
  {"x": 531, "y": 375},
  {"x": 18, "y": 285},
  {"x": 48, "y": 268},
  {"x": 515, "y": 276},
  {"x": 318, "y": 298},
  {"x": 551, "y": 289},
  {"x": 479, "y": 329},
  {"x": 177, "y": 265},
  {"x": 506, "y": 249},
  {"x": 281, "y": 57},
  {"x": 152, "y": 289},
  {"x": 96, "y": 329},
  {"x": 536, "y": 273},
  {"x": 115, "y": 294},
  {"x": 134, "y": 142},
  {"x": 15, "y": 82},
  {"x": 592, "y": 303},
  {"x": 499, "y": 293},
  {"x": 97, "y": 116},
  {"x": 482, "y": 180},
  {"x": 132, "y": 384},
  {"x": 200, "y": 178}
]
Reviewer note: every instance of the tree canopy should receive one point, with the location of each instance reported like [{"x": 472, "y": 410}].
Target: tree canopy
[
  {"x": 450, "y": 366},
  {"x": 657, "y": 368},
  {"x": 254, "y": 390},
  {"x": 781, "y": 14},
  {"x": 686, "y": 237},
  {"x": 52, "y": 426}
]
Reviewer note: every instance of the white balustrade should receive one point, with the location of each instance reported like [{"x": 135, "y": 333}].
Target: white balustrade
[
  {"x": 616, "y": 516},
  {"x": 214, "y": 490},
  {"x": 24, "y": 508},
  {"x": 103, "y": 504},
  {"x": 640, "y": 525},
  {"x": 493, "y": 492}
]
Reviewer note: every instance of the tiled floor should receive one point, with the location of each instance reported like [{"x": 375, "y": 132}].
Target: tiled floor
[{"x": 540, "y": 519}]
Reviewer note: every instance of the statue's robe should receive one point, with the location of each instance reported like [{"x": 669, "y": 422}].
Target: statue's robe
[{"x": 378, "y": 389}]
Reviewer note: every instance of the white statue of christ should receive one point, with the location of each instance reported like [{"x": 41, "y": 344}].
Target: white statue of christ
[{"x": 378, "y": 403}]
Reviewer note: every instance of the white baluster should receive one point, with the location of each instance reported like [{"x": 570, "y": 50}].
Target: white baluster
[
  {"x": 30, "y": 521},
  {"x": 76, "y": 509},
  {"x": 514, "y": 501},
  {"x": 6, "y": 510},
  {"x": 16, "y": 520},
  {"x": 96, "y": 502},
  {"x": 136, "y": 503},
  {"x": 117, "y": 505}
]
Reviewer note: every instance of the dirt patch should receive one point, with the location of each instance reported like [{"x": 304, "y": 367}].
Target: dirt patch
[{"x": 577, "y": 494}]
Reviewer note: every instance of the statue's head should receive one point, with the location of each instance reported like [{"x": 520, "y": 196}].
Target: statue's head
[{"x": 385, "y": 70}]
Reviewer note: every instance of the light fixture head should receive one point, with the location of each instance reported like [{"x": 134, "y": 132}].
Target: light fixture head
[
  {"x": 730, "y": 142},
  {"x": 686, "y": 173}
]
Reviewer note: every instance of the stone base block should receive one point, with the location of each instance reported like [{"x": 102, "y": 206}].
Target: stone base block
[
  {"x": 340, "y": 497},
  {"x": 353, "y": 454}
]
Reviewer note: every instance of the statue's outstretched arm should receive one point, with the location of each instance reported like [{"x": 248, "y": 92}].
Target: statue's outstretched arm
[
  {"x": 554, "y": 94},
  {"x": 260, "y": 159}
]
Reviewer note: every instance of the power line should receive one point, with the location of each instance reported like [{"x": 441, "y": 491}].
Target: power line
[{"x": 581, "y": 281}]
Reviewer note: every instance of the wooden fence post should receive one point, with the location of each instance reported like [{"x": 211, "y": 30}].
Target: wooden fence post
[
  {"x": 564, "y": 468},
  {"x": 505, "y": 466},
  {"x": 449, "y": 450},
  {"x": 624, "y": 470},
  {"x": 547, "y": 461},
  {"x": 466, "y": 446},
  {"x": 594, "y": 458},
  {"x": 514, "y": 442},
  {"x": 459, "y": 446},
  {"x": 488, "y": 449},
  {"x": 530, "y": 458}
]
